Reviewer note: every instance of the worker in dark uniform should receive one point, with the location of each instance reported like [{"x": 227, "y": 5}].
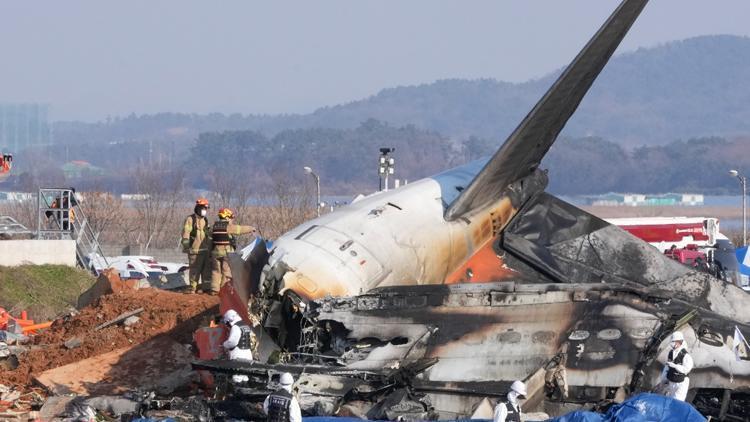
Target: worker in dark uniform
[
  {"x": 281, "y": 405},
  {"x": 224, "y": 236},
  {"x": 240, "y": 341},
  {"x": 510, "y": 410}
]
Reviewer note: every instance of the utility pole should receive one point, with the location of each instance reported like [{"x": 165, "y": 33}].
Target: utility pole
[
  {"x": 309, "y": 170},
  {"x": 743, "y": 185}
]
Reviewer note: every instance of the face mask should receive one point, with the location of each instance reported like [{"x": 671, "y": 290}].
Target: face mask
[{"x": 203, "y": 213}]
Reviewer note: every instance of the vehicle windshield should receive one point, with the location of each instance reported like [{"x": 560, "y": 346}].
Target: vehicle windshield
[{"x": 726, "y": 261}]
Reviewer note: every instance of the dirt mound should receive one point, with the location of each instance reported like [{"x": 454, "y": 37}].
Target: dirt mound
[{"x": 175, "y": 315}]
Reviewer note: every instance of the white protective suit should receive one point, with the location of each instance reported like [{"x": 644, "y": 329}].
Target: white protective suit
[
  {"x": 677, "y": 390},
  {"x": 235, "y": 353},
  {"x": 295, "y": 414},
  {"x": 501, "y": 412}
]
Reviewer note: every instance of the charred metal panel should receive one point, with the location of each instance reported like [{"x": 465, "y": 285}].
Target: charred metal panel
[{"x": 572, "y": 246}]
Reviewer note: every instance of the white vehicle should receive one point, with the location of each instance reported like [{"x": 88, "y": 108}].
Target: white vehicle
[
  {"x": 174, "y": 267},
  {"x": 138, "y": 267}
]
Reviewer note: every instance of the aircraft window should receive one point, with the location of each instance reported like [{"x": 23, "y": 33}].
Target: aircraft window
[
  {"x": 452, "y": 182},
  {"x": 579, "y": 335},
  {"x": 609, "y": 334}
]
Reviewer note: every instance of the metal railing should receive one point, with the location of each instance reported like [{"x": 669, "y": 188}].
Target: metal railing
[
  {"x": 60, "y": 216},
  {"x": 10, "y": 227}
]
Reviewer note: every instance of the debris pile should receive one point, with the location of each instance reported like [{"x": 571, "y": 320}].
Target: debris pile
[{"x": 120, "y": 343}]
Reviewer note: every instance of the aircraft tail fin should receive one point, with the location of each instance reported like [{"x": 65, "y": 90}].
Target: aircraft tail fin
[{"x": 523, "y": 151}]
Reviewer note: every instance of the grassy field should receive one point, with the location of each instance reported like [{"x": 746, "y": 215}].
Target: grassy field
[{"x": 43, "y": 290}]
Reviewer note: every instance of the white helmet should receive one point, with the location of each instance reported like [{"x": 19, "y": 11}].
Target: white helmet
[
  {"x": 231, "y": 317},
  {"x": 677, "y": 336},
  {"x": 286, "y": 379},
  {"x": 519, "y": 387}
]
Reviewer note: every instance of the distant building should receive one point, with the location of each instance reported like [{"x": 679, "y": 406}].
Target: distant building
[
  {"x": 640, "y": 200},
  {"x": 24, "y": 125},
  {"x": 79, "y": 168},
  {"x": 15, "y": 196}
]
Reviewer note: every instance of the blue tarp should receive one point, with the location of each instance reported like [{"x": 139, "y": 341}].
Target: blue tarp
[
  {"x": 744, "y": 259},
  {"x": 641, "y": 408}
]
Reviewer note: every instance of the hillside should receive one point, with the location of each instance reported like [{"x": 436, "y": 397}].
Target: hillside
[
  {"x": 43, "y": 290},
  {"x": 691, "y": 88}
]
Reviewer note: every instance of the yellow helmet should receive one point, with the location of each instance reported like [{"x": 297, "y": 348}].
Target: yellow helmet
[{"x": 226, "y": 213}]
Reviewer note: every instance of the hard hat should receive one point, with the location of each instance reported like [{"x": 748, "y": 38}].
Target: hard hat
[
  {"x": 286, "y": 379},
  {"x": 226, "y": 213},
  {"x": 677, "y": 336},
  {"x": 202, "y": 201},
  {"x": 519, "y": 387},
  {"x": 231, "y": 316}
]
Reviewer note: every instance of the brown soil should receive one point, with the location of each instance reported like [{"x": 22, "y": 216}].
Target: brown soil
[{"x": 175, "y": 315}]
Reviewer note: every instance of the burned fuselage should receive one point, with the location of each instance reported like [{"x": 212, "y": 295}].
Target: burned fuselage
[
  {"x": 589, "y": 342},
  {"x": 455, "y": 285},
  {"x": 577, "y": 323}
]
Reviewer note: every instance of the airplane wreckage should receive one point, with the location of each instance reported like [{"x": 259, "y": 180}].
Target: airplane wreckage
[{"x": 427, "y": 301}]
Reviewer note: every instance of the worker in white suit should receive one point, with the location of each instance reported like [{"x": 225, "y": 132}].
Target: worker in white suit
[
  {"x": 674, "y": 381},
  {"x": 239, "y": 343}
]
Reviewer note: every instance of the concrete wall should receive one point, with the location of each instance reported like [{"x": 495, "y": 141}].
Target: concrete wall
[
  {"x": 163, "y": 255},
  {"x": 37, "y": 252}
]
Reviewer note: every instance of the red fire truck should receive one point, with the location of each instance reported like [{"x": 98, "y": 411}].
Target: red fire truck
[{"x": 693, "y": 241}]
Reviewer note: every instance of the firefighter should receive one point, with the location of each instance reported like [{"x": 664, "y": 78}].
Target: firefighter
[
  {"x": 510, "y": 411},
  {"x": 224, "y": 237},
  {"x": 281, "y": 405},
  {"x": 196, "y": 242},
  {"x": 674, "y": 380},
  {"x": 240, "y": 340}
]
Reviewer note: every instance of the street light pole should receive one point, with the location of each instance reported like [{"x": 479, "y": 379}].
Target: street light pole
[
  {"x": 386, "y": 167},
  {"x": 743, "y": 185},
  {"x": 309, "y": 170}
]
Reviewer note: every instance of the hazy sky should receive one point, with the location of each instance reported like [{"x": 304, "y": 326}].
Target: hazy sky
[{"x": 90, "y": 59}]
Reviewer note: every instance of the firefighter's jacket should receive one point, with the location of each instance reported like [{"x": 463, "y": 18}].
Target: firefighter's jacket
[
  {"x": 196, "y": 232},
  {"x": 223, "y": 234}
]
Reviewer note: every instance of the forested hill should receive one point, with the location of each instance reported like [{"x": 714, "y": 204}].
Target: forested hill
[
  {"x": 691, "y": 88},
  {"x": 683, "y": 89}
]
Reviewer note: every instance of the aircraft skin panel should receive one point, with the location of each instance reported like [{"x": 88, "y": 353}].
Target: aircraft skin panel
[
  {"x": 405, "y": 240},
  {"x": 524, "y": 150},
  {"x": 484, "y": 266}
]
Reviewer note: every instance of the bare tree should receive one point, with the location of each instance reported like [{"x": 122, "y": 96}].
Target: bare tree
[
  {"x": 105, "y": 212},
  {"x": 287, "y": 204},
  {"x": 161, "y": 193}
]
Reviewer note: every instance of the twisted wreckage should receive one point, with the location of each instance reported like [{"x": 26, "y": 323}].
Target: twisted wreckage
[{"x": 427, "y": 301}]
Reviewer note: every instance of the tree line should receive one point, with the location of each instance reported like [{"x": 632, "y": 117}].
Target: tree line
[{"x": 241, "y": 164}]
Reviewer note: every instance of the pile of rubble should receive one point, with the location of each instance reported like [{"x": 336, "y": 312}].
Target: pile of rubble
[{"x": 124, "y": 342}]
